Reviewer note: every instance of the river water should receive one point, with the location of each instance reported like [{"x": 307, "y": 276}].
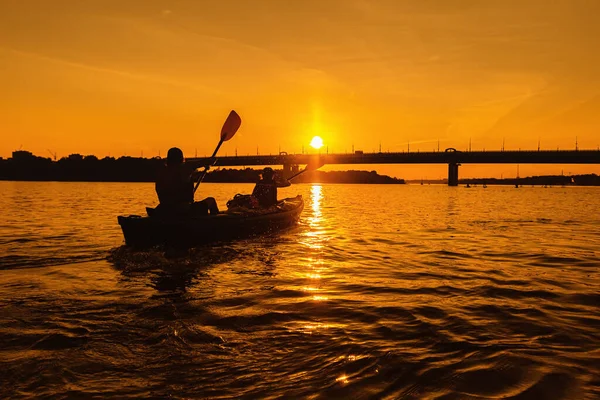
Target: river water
[{"x": 383, "y": 292}]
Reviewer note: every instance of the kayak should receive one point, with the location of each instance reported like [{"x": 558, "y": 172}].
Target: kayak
[{"x": 235, "y": 223}]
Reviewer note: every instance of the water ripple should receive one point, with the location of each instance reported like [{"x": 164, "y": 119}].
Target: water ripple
[{"x": 442, "y": 294}]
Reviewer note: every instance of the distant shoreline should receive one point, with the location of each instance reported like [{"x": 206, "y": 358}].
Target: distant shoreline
[
  {"x": 544, "y": 180},
  {"x": 474, "y": 182},
  {"x": 24, "y": 166},
  {"x": 204, "y": 181}
]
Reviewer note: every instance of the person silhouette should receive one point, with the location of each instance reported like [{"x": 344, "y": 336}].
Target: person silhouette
[
  {"x": 265, "y": 190},
  {"x": 175, "y": 189}
]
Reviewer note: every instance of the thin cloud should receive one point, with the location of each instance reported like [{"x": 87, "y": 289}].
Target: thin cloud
[{"x": 104, "y": 70}]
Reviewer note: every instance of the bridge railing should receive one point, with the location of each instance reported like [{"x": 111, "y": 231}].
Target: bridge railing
[{"x": 435, "y": 157}]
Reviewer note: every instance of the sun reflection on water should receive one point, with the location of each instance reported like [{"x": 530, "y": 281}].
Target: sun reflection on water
[
  {"x": 314, "y": 239},
  {"x": 316, "y": 196},
  {"x": 310, "y": 328}
]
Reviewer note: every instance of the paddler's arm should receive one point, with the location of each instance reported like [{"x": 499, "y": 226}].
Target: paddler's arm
[{"x": 197, "y": 173}]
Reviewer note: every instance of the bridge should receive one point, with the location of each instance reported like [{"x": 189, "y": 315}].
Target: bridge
[{"x": 453, "y": 158}]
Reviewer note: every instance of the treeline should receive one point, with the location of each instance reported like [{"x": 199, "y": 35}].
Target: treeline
[
  {"x": 545, "y": 180},
  {"x": 346, "y": 177},
  {"x": 28, "y": 167},
  {"x": 252, "y": 175}
]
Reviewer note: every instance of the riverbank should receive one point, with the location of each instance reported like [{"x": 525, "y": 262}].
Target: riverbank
[
  {"x": 24, "y": 166},
  {"x": 544, "y": 180}
]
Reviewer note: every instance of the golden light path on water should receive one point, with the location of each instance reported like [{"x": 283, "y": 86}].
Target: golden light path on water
[{"x": 315, "y": 239}]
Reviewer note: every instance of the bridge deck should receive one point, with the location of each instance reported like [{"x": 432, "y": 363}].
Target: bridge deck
[{"x": 471, "y": 157}]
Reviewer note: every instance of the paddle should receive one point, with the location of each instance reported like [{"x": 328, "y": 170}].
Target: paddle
[
  {"x": 313, "y": 165},
  {"x": 230, "y": 127}
]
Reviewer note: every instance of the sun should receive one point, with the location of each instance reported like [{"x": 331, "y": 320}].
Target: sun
[{"x": 316, "y": 142}]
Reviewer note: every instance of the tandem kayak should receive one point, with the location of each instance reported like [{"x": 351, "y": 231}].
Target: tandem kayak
[{"x": 232, "y": 224}]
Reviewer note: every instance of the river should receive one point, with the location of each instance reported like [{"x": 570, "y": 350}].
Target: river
[{"x": 380, "y": 292}]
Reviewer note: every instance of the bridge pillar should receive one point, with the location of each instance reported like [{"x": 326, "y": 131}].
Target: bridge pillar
[
  {"x": 453, "y": 174},
  {"x": 290, "y": 169}
]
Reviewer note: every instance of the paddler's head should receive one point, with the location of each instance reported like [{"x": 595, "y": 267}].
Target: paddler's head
[
  {"x": 174, "y": 156},
  {"x": 268, "y": 173}
]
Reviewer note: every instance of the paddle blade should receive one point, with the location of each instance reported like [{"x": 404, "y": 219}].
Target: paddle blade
[
  {"x": 231, "y": 125},
  {"x": 313, "y": 165}
]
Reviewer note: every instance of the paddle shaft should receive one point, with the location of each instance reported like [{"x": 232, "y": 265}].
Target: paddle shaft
[
  {"x": 295, "y": 175},
  {"x": 309, "y": 167},
  {"x": 201, "y": 177}
]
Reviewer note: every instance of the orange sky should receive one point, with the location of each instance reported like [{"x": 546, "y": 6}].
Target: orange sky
[{"x": 125, "y": 76}]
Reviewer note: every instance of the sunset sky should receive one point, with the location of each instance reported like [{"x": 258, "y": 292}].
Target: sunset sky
[{"x": 130, "y": 76}]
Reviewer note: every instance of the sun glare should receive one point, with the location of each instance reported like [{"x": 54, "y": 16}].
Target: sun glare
[{"x": 316, "y": 142}]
